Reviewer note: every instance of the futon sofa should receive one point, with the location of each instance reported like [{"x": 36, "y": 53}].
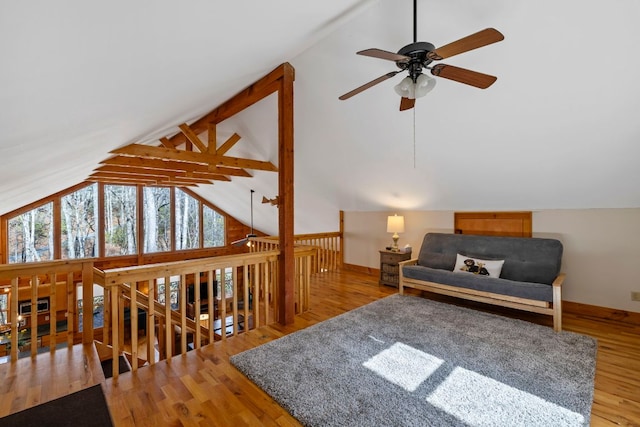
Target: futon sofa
[{"x": 522, "y": 273}]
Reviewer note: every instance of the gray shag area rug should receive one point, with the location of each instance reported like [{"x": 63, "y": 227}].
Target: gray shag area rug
[{"x": 409, "y": 361}]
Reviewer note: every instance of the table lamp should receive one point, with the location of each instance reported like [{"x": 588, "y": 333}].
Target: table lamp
[{"x": 395, "y": 225}]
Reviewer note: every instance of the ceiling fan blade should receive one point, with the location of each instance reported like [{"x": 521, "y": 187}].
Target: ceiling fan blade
[
  {"x": 462, "y": 75},
  {"x": 383, "y": 54},
  {"x": 407, "y": 103},
  {"x": 368, "y": 85},
  {"x": 465, "y": 44}
]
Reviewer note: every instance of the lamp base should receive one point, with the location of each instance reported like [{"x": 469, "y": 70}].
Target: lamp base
[{"x": 395, "y": 238}]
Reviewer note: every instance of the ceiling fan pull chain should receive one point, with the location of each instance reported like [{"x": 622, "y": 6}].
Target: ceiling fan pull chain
[{"x": 414, "y": 138}]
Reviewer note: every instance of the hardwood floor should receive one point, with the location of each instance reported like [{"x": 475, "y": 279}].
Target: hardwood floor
[{"x": 203, "y": 388}]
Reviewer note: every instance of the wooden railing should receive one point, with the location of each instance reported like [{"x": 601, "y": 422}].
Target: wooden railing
[
  {"x": 251, "y": 303},
  {"x": 328, "y": 248},
  {"x": 55, "y": 282},
  {"x": 135, "y": 317}
]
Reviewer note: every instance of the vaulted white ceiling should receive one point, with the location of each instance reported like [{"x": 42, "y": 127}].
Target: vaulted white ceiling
[{"x": 559, "y": 129}]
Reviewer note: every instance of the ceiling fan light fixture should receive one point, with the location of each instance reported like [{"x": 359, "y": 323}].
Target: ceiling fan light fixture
[
  {"x": 406, "y": 88},
  {"x": 424, "y": 85}
]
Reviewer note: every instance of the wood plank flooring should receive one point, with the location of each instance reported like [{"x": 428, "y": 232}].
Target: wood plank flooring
[{"x": 202, "y": 388}]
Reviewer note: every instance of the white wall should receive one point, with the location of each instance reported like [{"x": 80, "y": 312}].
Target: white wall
[{"x": 601, "y": 247}]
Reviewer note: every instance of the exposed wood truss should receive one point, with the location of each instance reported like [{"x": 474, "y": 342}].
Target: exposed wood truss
[
  {"x": 184, "y": 159},
  {"x": 197, "y": 163}
]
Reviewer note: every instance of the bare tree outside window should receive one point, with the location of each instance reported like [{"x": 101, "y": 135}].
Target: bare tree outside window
[
  {"x": 4, "y": 308},
  {"x": 213, "y": 227},
  {"x": 120, "y": 220},
  {"x": 78, "y": 216},
  {"x": 30, "y": 235},
  {"x": 157, "y": 219},
  {"x": 187, "y": 221}
]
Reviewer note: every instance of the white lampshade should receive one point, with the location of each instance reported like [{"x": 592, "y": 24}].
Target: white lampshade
[
  {"x": 395, "y": 224},
  {"x": 408, "y": 89},
  {"x": 424, "y": 85}
]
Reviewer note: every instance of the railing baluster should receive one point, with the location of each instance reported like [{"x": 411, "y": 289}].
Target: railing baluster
[
  {"x": 211, "y": 304},
  {"x": 133, "y": 322},
  {"x": 33, "y": 320},
  {"x": 53, "y": 309},
  {"x": 151, "y": 323},
  {"x": 183, "y": 313},
  {"x": 245, "y": 294},
  {"x": 14, "y": 317},
  {"x": 115, "y": 330},
  {"x": 71, "y": 310},
  {"x": 222, "y": 308},
  {"x": 168, "y": 327},
  {"x": 196, "y": 317}
]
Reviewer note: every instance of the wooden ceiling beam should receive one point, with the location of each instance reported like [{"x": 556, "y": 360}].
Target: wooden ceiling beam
[
  {"x": 228, "y": 144},
  {"x": 150, "y": 179},
  {"x": 193, "y": 138},
  {"x": 133, "y": 170},
  {"x": 212, "y": 138},
  {"x": 139, "y": 150},
  {"x": 207, "y": 175},
  {"x": 165, "y": 142},
  {"x": 174, "y": 166},
  {"x": 161, "y": 173},
  {"x": 116, "y": 180}
]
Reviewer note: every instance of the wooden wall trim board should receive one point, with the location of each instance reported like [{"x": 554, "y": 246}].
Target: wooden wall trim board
[
  {"x": 515, "y": 224},
  {"x": 606, "y": 313},
  {"x": 361, "y": 269}
]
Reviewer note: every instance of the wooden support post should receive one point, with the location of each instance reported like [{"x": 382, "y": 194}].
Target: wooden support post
[
  {"x": 286, "y": 266},
  {"x": 87, "y": 302}
]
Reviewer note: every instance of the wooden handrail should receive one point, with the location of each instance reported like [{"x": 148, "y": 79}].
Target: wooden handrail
[
  {"x": 328, "y": 257},
  {"x": 132, "y": 286},
  {"x": 256, "y": 271}
]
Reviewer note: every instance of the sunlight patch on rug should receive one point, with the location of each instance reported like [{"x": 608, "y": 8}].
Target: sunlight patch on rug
[
  {"x": 478, "y": 401},
  {"x": 404, "y": 366}
]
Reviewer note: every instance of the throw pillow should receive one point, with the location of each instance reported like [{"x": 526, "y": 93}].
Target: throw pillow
[{"x": 484, "y": 267}]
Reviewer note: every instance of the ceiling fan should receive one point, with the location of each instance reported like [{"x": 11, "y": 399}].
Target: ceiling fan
[{"x": 418, "y": 56}]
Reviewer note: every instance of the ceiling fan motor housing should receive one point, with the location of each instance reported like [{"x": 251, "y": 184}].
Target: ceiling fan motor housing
[{"x": 418, "y": 53}]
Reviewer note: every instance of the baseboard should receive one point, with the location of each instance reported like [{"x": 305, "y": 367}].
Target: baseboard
[
  {"x": 601, "y": 312},
  {"x": 360, "y": 269}
]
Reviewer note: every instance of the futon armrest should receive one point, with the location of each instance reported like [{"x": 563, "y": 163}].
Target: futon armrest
[
  {"x": 401, "y": 275},
  {"x": 559, "y": 280},
  {"x": 408, "y": 262}
]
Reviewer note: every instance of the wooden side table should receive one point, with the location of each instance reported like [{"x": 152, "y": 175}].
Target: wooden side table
[{"x": 389, "y": 270}]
